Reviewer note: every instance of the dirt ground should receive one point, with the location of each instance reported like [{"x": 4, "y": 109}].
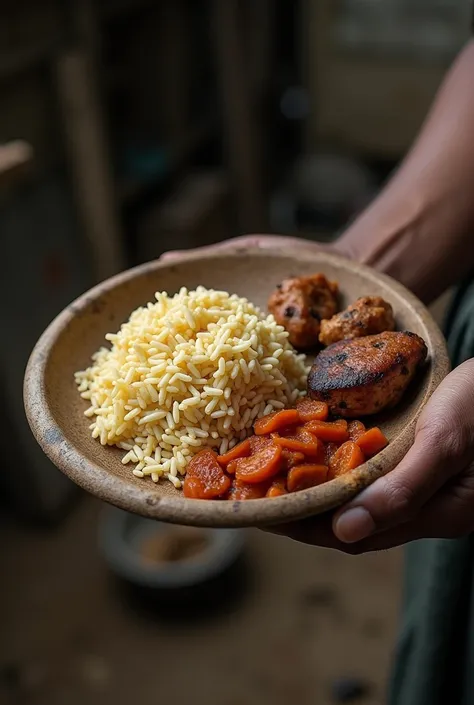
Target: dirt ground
[{"x": 306, "y": 617}]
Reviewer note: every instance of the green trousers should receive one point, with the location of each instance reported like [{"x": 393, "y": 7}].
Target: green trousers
[{"x": 434, "y": 662}]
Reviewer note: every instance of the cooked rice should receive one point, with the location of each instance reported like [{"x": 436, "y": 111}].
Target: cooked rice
[{"x": 191, "y": 370}]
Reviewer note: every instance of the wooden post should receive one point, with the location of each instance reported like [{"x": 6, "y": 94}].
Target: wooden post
[
  {"x": 240, "y": 125},
  {"x": 176, "y": 76},
  {"x": 15, "y": 158},
  {"x": 260, "y": 19},
  {"x": 86, "y": 143}
]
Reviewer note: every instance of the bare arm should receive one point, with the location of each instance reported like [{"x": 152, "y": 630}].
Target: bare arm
[{"x": 420, "y": 229}]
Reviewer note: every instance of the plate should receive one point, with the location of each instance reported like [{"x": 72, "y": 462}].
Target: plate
[{"x": 55, "y": 409}]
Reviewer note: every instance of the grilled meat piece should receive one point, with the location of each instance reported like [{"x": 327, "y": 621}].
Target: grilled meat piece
[
  {"x": 362, "y": 376},
  {"x": 368, "y": 316},
  {"x": 300, "y": 303}
]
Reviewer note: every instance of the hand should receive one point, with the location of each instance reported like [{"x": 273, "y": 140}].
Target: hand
[
  {"x": 265, "y": 242},
  {"x": 429, "y": 495}
]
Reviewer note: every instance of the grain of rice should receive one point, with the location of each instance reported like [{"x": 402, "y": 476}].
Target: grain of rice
[
  {"x": 154, "y": 416},
  {"x": 174, "y": 480},
  {"x": 174, "y": 467},
  {"x": 149, "y": 469},
  {"x": 138, "y": 452},
  {"x": 125, "y": 446},
  {"x": 188, "y": 371},
  {"x": 176, "y": 412},
  {"x": 194, "y": 441},
  {"x": 131, "y": 414}
]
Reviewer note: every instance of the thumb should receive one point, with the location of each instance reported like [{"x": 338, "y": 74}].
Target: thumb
[
  {"x": 229, "y": 244},
  {"x": 440, "y": 450},
  {"x": 395, "y": 498}
]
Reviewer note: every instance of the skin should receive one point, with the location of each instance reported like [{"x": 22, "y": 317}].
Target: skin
[{"x": 420, "y": 231}]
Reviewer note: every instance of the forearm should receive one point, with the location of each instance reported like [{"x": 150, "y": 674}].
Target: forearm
[{"x": 420, "y": 229}]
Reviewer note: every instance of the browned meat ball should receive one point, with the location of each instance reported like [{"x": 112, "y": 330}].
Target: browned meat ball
[
  {"x": 368, "y": 316},
  {"x": 362, "y": 376},
  {"x": 300, "y": 303}
]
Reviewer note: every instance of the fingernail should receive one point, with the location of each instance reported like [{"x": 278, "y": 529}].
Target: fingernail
[{"x": 354, "y": 525}]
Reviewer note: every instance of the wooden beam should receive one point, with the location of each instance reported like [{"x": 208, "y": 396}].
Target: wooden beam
[
  {"x": 241, "y": 128},
  {"x": 90, "y": 162},
  {"x": 15, "y": 158}
]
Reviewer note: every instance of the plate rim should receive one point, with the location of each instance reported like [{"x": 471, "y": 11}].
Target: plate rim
[{"x": 143, "y": 500}]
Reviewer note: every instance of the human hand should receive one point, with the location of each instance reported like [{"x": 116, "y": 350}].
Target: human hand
[
  {"x": 264, "y": 242},
  {"x": 430, "y": 494}
]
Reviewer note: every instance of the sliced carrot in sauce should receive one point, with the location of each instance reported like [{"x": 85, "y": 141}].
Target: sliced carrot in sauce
[
  {"x": 293, "y": 449},
  {"x": 241, "y": 450},
  {"x": 335, "y": 431},
  {"x": 302, "y": 477},
  {"x": 232, "y": 466},
  {"x": 348, "y": 457},
  {"x": 309, "y": 448},
  {"x": 277, "y": 489},
  {"x": 372, "y": 442},
  {"x": 329, "y": 450},
  {"x": 355, "y": 429},
  {"x": 205, "y": 478},
  {"x": 261, "y": 466},
  {"x": 243, "y": 490},
  {"x": 275, "y": 421},
  {"x": 312, "y": 410},
  {"x": 257, "y": 443},
  {"x": 306, "y": 436},
  {"x": 291, "y": 458}
]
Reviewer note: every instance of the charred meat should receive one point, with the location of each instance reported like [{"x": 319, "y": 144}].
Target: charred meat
[{"x": 363, "y": 376}]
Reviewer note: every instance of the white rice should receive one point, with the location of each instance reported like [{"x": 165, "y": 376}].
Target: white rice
[{"x": 191, "y": 370}]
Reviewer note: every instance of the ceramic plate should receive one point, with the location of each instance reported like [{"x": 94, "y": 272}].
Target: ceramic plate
[{"x": 55, "y": 409}]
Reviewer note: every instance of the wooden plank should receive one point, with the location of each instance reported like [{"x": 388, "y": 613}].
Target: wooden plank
[
  {"x": 260, "y": 20},
  {"x": 15, "y": 158},
  {"x": 90, "y": 163},
  {"x": 241, "y": 129},
  {"x": 175, "y": 72}
]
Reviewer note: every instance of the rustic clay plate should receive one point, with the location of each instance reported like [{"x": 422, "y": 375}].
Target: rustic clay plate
[{"x": 55, "y": 409}]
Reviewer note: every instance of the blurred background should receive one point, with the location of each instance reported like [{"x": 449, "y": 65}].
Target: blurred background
[{"x": 127, "y": 128}]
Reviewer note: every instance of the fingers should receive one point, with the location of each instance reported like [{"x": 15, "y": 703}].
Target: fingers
[
  {"x": 264, "y": 242},
  {"x": 395, "y": 498},
  {"x": 444, "y": 445},
  {"x": 449, "y": 514},
  {"x": 241, "y": 241},
  {"x": 208, "y": 249},
  {"x": 316, "y": 531}
]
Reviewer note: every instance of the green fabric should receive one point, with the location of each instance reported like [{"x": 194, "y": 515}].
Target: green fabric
[{"x": 434, "y": 663}]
